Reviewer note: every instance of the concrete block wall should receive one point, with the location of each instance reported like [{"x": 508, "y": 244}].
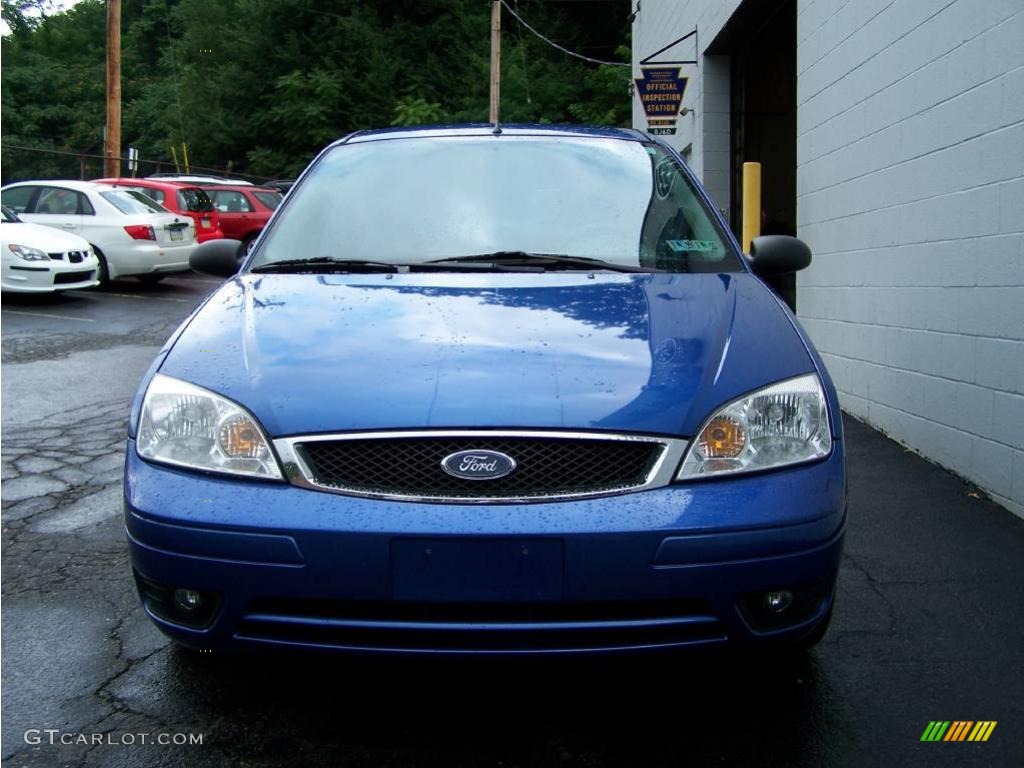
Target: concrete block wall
[{"x": 910, "y": 186}]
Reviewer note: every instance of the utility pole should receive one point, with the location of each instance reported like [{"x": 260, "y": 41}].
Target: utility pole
[
  {"x": 495, "y": 61},
  {"x": 112, "y": 144}
]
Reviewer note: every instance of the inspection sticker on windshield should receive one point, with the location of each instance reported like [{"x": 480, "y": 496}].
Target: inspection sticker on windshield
[{"x": 690, "y": 245}]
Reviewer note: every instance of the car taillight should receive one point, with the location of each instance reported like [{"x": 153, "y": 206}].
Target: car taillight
[{"x": 140, "y": 232}]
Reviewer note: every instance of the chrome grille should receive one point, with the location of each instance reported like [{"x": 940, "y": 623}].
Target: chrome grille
[{"x": 407, "y": 466}]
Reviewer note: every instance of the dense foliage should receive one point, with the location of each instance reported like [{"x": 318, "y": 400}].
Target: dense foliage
[{"x": 258, "y": 86}]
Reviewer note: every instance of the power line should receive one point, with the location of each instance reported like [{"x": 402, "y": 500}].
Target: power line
[
  {"x": 563, "y": 49},
  {"x": 169, "y": 164},
  {"x": 325, "y": 13}
]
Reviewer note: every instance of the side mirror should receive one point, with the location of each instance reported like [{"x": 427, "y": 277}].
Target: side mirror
[
  {"x": 778, "y": 255},
  {"x": 220, "y": 258}
]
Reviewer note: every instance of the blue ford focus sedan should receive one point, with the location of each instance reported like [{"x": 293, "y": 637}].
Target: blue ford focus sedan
[{"x": 489, "y": 391}]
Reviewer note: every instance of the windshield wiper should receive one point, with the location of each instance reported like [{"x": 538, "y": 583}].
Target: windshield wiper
[
  {"x": 512, "y": 260},
  {"x": 547, "y": 260},
  {"x": 326, "y": 264}
]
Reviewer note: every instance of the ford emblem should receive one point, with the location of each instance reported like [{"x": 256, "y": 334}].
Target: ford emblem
[{"x": 478, "y": 465}]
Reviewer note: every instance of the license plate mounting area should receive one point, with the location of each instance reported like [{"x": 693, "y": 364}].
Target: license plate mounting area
[{"x": 477, "y": 570}]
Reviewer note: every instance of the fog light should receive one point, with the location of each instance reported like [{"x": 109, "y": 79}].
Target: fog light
[
  {"x": 780, "y": 608},
  {"x": 188, "y": 599},
  {"x": 777, "y": 601},
  {"x": 179, "y": 605}
]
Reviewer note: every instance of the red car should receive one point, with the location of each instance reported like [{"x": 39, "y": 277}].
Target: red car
[
  {"x": 177, "y": 197},
  {"x": 244, "y": 211}
]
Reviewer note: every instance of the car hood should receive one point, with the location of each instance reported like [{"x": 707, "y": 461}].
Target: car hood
[
  {"x": 651, "y": 353},
  {"x": 44, "y": 238}
]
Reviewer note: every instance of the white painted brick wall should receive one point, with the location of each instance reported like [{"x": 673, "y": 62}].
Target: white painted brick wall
[
  {"x": 910, "y": 189},
  {"x": 910, "y": 185}
]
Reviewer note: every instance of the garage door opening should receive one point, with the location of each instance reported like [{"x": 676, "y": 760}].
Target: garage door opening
[{"x": 760, "y": 40}]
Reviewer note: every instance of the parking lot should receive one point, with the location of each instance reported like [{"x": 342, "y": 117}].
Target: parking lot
[{"x": 928, "y": 623}]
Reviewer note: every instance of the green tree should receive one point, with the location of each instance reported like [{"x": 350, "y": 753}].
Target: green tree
[
  {"x": 260, "y": 86},
  {"x": 51, "y": 101},
  {"x": 417, "y": 111}
]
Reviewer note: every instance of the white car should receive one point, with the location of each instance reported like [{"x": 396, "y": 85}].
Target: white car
[
  {"x": 191, "y": 179},
  {"x": 36, "y": 259},
  {"x": 130, "y": 233}
]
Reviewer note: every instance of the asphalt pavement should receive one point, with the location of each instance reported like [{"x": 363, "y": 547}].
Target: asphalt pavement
[{"x": 929, "y": 623}]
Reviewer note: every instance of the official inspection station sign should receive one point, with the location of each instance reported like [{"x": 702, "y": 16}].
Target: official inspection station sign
[{"x": 661, "y": 92}]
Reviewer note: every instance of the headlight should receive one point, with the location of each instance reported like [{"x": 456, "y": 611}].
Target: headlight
[
  {"x": 188, "y": 426},
  {"x": 785, "y": 423},
  {"x": 28, "y": 254}
]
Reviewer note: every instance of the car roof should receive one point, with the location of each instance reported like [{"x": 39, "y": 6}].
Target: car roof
[
  {"x": 127, "y": 181},
  {"x": 75, "y": 184},
  {"x": 237, "y": 188},
  {"x": 198, "y": 179},
  {"x": 485, "y": 129}
]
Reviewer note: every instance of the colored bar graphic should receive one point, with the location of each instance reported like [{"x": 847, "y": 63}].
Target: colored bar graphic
[
  {"x": 982, "y": 730},
  {"x": 935, "y": 730},
  {"x": 958, "y": 730}
]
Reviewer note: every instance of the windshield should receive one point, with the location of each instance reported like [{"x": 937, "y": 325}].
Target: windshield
[
  {"x": 9, "y": 216},
  {"x": 157, "y": 195},
  {"x": 408, "y": 201},
  {"x": 130, "y": 201},
  {"x": 195, "y": 200},
  {"x": 269, "y": 199}
]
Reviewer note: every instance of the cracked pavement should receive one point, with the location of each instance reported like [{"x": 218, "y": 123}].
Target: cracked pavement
[{"x": 928, "y": 621}]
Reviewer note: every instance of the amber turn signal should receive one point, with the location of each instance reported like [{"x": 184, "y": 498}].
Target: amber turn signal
[
  {"x": 240, "y": 439},
  {"x": 722, "y": 438}
]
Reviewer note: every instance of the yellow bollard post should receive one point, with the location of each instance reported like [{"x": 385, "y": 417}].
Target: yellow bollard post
[
  {"x": 174, "y": 157},
  {"x": 751, "y": 203},
  {"x": 184, "y": 156}
]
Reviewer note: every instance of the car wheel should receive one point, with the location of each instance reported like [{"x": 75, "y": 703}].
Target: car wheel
[
  {"x": 103, "y": 273},
  {"x": 150, "y": 279},
  {"x": 248, "y": 243}
]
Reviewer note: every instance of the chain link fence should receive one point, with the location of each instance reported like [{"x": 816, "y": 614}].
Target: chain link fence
[{"x": 19, "y": 163}]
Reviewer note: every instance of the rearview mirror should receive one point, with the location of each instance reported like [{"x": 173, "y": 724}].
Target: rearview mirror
[
  {"x": 778, "y": 255},
  {"x": 220, "y": 258}
]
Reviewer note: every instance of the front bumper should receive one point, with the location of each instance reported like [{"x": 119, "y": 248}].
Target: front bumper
[
  {"x": 39, "y": 277},
  {"x": 665, "y": 568}
]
